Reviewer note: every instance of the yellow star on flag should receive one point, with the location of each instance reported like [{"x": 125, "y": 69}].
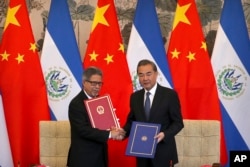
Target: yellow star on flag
[
  {"x": 33, "y": 47},
  {"x": 175, "y": 54},
  {"x": 93, "y": 56},
  {"x": 99, "y": 17},
  {"x": 109, "y": 58},
  {"x": 19, "y": 58},
  {"x": 204, "y": 45},
  {"x": 121, "y": 47},
  {"x": 191, "y": 56},
  {"x": 180, "y": 15},
  {"x": 5, "y": 56},
  {"x": 11, "y": 17}
]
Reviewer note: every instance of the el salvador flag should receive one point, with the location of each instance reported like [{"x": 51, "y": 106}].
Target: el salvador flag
[
  {"x": 61, "y": 60},
  {"x": 146, "y": 42},
  {"x": 231, "y": 66}
]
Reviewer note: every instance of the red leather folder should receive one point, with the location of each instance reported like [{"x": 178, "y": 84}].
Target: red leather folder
[{"x": 101, "y": 112}]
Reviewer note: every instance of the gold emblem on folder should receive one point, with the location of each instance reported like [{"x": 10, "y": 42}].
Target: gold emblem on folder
[
  {"x": 144, "y": 138},
  {"x": 100, "y": 110}
]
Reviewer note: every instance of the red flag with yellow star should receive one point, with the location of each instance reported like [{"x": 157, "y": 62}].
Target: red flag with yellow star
[
  {"x": 105, "y": 50},
  {"x": 22, "y": 85},
  {"x": 191, "y": 69}
]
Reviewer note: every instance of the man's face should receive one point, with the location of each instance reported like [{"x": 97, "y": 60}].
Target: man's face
[
  {"x": 147, "y": 76},
  {"x": 93, "y": 85}
]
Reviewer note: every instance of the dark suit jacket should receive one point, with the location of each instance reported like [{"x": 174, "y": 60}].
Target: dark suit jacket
[
  {"x": 166, "y": 111},
  {"x": 88, "y": 145}
]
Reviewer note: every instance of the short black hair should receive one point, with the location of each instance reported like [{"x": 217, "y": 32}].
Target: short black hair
[{"x": 144, "y": 62}]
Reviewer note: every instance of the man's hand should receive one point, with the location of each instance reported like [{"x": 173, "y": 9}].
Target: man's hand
[
  {"x": 159, "y": 137},
  {"x": 117, "y": 133}
]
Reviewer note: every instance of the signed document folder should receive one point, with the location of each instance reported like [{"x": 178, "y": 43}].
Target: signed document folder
[
  {"x": 101, "y": 112},
  {"x": 141, "y": 142}
]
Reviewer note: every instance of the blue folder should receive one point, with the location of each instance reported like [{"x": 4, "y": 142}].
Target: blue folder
[{"x": 141, "y": 142}]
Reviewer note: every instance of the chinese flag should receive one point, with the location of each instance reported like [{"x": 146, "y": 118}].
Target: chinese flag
[
  {"x": 191, "y": 69},
  {"x": 22, "y": 86},
  {"x": 106, "y": 51}
]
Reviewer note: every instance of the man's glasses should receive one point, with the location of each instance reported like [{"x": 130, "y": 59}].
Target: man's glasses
[{"x": 95, "y": 83}]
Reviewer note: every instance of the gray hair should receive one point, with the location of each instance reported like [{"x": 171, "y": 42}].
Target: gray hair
[{"x": 88, "y": 72}]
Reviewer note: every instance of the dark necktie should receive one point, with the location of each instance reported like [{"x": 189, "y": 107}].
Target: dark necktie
[{"x": 147, "y": 105}]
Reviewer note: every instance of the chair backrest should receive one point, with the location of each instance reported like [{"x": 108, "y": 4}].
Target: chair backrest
[
  {"x": 197, "y": 144},
  {"x": 54, "y": 143}
]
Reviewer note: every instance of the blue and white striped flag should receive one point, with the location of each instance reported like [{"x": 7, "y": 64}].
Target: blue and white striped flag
[
  {"x": 61, "y": 60},
  {"x": 231, "y": 66},
  {"x": 146, "y": 42},
  {"x": 5, "y": 152}
]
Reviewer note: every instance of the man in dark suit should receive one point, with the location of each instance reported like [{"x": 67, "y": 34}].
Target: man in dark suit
[
  {"x": 164, "y": 109},
  {"x": 88, "y": 145}
]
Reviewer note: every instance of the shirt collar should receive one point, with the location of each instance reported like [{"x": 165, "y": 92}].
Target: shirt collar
[
  {"x": 89, "y": 97},
  {"x": 152, "y": 91}
]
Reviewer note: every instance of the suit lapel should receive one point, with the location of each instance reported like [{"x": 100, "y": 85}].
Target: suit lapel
[
  {"x": 156, "y": 102},
  {"x": 141, "y": 104}
]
